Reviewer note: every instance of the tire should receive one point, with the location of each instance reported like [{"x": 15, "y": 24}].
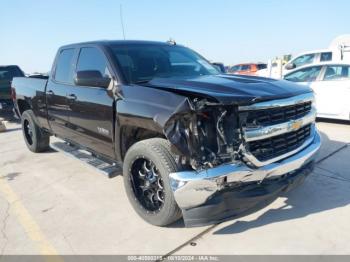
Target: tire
[
  {"x": 156, "y": 206},
  {"x": 36, "y": 139}
]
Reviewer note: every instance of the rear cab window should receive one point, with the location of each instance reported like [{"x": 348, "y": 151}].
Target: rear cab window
[
  {"x": 326, "y": 56},
  {"x": 64, "y": 66},
  {"x": 7, "y": 73}
]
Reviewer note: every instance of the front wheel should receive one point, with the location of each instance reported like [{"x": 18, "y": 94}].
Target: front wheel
[
  {"x": 146, "y": 170},
  {"x": 36, "y": 139}
]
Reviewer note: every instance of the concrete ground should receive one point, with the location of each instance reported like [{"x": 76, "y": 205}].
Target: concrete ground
[{"x": 53, "y": 204}]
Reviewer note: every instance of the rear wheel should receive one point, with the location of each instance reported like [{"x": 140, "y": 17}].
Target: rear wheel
[
  {"x": 146, "y": 170},
  {"x": 36, "y": 139}
]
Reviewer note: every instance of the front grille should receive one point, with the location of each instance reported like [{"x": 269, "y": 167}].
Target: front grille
[
  {"x": 277, "y": 115},
  {"x": 272, "y": 147}
]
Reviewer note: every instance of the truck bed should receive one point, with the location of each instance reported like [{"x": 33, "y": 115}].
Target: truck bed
[{"x": 28, "y": 86}]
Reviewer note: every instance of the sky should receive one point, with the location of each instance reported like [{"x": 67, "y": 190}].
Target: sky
[{"x": 227, "y": 31}]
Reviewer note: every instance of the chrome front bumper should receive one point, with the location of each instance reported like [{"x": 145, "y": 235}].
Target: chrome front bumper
[{"x": 192, "y": 188}]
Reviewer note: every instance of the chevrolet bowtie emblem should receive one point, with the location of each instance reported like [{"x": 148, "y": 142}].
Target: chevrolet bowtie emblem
[{"x": 296, "y": 125}]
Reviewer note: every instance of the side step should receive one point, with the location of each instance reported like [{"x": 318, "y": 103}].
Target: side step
[{"x": 107, "y": 169}]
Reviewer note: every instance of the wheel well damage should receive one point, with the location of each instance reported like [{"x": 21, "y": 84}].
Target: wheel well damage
[
  {"x": 131, "y": 135},
  {"x": 23, "y": 106}
]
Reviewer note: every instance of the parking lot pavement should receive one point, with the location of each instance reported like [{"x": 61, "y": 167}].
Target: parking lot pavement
[{"x": 52, "y": 204}]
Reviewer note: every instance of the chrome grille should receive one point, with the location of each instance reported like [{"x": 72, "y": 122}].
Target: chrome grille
[
  {"x": 278, "y": 145},
  {"x": 277, "y": 115},
  {"x": 274, "y": 130}
]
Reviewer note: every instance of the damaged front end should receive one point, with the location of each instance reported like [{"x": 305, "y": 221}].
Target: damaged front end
[
  {"x": 233, "y": 160},
  {"x": 206, "y": 135}
]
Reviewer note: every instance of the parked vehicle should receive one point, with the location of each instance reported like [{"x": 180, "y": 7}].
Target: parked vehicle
[
  {"x": 7, "y": 73},
  {"x": 331, "y": 84},
  {"x": 307, "y": 58},
  {"x": 193, "y": 142},
  {"x": 338, "y": 51},
  {"x": 248, "y": 69}
]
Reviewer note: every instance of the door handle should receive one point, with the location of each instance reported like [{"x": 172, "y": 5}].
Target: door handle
[
  {"x": 50, "y": 93},
  {"x": 72, "y": 97}
]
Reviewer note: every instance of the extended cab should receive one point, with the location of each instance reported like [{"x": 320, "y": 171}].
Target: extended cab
[{"x": 193, "y": 142}]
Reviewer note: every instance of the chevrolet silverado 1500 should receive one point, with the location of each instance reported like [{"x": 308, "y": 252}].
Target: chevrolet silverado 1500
[{"x": 193, "y": 142}]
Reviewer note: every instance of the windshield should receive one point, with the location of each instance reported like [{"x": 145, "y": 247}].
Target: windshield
[
  {"x": 303, "y": 60},
  {"x": 308, "y": 74},
  {"x": 142, "y": 63},
  {"x": 9, "y": 72}
]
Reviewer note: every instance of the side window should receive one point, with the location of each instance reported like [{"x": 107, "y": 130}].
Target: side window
[
  {"x": 262, "y": 66},
  {"x": 236, "y": 68},
  {"x": 245, "y": 67},
  {"x": 92, "y": 59},
  {"x": 303, "y": 60},
  {"x": 64, "y": 66},
  {"x": 327, "y": 56},
  {"x": 304, "y": 75},
  {"x": 337, "y": 73}
]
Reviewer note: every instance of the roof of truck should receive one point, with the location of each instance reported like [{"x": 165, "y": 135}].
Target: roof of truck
[{"x": 119, "y": 42}]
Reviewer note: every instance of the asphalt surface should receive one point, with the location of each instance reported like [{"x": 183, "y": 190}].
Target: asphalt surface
[{"x": 53, "y": 204}]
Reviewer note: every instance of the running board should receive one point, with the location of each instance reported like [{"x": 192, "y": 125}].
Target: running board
[{"x": 107, "y": 169}]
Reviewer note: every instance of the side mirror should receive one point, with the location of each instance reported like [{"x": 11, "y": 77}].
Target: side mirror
[
  {"x": 91, "y": 78},
  {"x": 290, "y": 66}
]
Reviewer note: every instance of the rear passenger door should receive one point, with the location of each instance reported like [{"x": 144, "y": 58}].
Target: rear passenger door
[{"x": 92, "y": 108}]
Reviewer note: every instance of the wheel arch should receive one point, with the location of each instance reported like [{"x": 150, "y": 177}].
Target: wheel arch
[
  {"x": 23, "y": 105},
  {"x": 130, "y": 135}
]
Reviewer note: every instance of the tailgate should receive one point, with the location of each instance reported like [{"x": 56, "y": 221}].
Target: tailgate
[{"x": 5, "y": 89}]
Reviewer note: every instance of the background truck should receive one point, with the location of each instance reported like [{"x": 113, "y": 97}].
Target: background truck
[
  {"x": 193, "y": 142},
  {"x": 7, "y": 73}
]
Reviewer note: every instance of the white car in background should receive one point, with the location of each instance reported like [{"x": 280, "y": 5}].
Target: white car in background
[
  {"x": 338, "y": 51},
  {"x": 307, "y": 58},
  {"x": 331, "y": 84}
]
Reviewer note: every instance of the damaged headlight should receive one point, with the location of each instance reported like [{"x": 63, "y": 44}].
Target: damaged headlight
[{"x": 206, "y": 137}]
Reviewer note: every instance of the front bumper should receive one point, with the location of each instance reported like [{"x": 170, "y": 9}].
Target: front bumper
[{"x": 215, "y": 194}]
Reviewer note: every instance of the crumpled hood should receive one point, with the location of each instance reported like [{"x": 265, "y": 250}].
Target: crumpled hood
[{"x": 231, "y": 89}]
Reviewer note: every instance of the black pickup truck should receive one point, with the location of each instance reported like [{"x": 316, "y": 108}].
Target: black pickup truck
[
  {"x": 193, "y": 142},
  {"x": 7, "y": 73}
]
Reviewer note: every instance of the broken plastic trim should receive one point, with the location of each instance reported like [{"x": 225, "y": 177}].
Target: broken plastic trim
[{"x": 205, "y": 133}]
